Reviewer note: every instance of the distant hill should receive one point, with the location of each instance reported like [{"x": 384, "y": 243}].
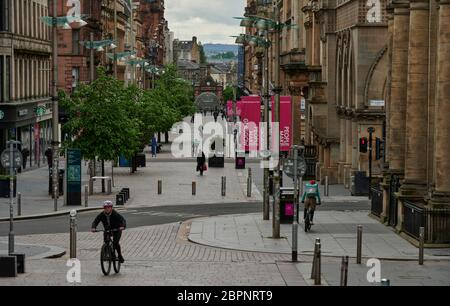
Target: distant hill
[{"x": 220, "y": 52}]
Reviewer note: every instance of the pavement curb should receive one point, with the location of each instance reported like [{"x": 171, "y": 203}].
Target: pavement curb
[
  {"x": 54, "y": 252},
  {"x": 47, "y": 215}
]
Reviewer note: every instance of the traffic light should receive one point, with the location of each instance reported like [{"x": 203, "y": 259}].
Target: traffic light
[
  {"x": 363, "y": 145},
  {"x": 379, "y": 149}
]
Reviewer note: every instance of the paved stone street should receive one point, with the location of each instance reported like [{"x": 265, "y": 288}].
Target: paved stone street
[
  {"x": 336, "y": 230},
  {"x": 162, "y": 255}
]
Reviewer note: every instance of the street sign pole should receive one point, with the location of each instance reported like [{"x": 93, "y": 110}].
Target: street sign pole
[
  {"x": 13, "y": 160},
  {"x": 11, "y": 198},
  {"x": 371, "y": 130},
  {"x": 295, "y": 219}
]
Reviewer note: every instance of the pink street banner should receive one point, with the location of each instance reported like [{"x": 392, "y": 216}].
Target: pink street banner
[
  {"x": 250, "y": 119},
  {"x": 285, "y": 122}
]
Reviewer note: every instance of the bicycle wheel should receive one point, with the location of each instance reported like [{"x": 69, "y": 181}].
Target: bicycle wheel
[
  {"x": 105, "y": 259},
  {"x": 307, "y": 223},
  {"x": 116, "y": 262}
]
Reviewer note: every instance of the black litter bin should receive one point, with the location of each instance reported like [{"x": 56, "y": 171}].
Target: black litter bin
[
  {"x": 120, "y": 199},
  {"x": 5, "y": 187},
  {"x": 360, "y": 184},
  {"x": 20, "y": 262},
  {"x": 287, "y": 205},
  {"x": 60, "y": 182},
  {"x": 127, "y": 193},
  {"x": 141, "y": 160},
  {"x": 216, "y": 162}
]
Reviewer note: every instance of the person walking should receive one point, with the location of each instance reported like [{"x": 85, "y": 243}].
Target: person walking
[
  {"x": 49, "y": 154},
  {"x": 154, "y": 145},
  {"x": 201, "y": 163}
]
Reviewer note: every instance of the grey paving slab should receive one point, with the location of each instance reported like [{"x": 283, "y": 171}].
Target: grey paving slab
[{"x": 249, "y": 232}]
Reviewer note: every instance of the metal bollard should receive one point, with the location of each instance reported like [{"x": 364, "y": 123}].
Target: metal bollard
[
  {"x": 313, "y": 270},
  {"x": 385, "y": 282},
  {"x": 421, "y": 245},
  {"x": 109, "y": 187},
  {"x": 159, "y": 187},
  {"x": 194, "y": 188},
  {"x": 327, "y": 187},
  {"x": 359, "y": 245},
  {"x": 224, "y": 186},
  {"x": 73, "y": 234},
  {"x": 86, "y": 195},
  {"x": 249, "y": 183},
  {"x": 344, "y": 271},
  {"x": 91, "y": 187},
  {"x": 19, "y": 204},
  {"x": 318, "y": 269}
]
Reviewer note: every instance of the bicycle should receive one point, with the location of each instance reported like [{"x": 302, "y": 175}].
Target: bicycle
[
  {"x": 108, "y": 254},
  {"x": 308, "y": 220}
]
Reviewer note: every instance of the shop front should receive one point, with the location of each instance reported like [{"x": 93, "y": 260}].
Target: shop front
[{"x": 23, "y": 122}]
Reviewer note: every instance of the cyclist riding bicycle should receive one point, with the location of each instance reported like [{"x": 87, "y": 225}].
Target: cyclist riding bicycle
[
  {"x": 311, "y": 198},
  {"x": 111, "y": 220}
]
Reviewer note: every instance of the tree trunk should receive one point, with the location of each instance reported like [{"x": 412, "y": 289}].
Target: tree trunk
[
  {"x": 167, "y": 137},
  {"x": 112, "y": 172},
  {"x": 103, "y": 174}
]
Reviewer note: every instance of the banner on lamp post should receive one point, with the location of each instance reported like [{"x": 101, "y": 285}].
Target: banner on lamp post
[
  {"x": 250, "y": 120},
  {"x": 285, "y": 122}
]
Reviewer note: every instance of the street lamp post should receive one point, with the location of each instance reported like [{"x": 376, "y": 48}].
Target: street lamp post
[
  {"x": 55, "y": 136},
  {"x": 277, "y": 90},
  {"x": 115, "y": 38}
]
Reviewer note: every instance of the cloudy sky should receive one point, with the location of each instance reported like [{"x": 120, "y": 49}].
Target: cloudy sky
[{"x": 210, "y": 20}]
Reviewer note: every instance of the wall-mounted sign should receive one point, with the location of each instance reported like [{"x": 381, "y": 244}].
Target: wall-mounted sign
[
  {"x": 23, "y": 112},
  {"x": 377, "y": 103},
  {"x": 40, "y": 111}
]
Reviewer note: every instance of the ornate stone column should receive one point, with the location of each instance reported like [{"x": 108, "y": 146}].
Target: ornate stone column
[
  {"x": 417, "y": 97},
  {"x": 397, "y": 118},
  {"x": 348, "y": 152},
  {"x": 342, "y": 151},
  {"x": 441, "y": 194}
]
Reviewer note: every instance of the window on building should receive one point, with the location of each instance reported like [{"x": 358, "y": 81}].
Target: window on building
[
  {"x": 75, "y": 77},
  {"x": 76, "y": 42},
  {"x": 5, "y": 76},
  {"x": 4, "y": 15}
]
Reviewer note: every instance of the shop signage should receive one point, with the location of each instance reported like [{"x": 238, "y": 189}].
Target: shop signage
[{"x": 23, "y": 112}]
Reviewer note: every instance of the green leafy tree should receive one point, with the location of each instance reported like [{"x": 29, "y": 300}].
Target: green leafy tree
[
  {"x": 100, "y": 123},
  {"x": 228, "y": 94}
]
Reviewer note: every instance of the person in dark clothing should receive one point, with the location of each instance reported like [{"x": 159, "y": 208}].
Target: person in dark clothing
[
  {"x": 201, "y": 162},
  {"x": 111, "y": 220},
  {"x": 49, "y": 155}
]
